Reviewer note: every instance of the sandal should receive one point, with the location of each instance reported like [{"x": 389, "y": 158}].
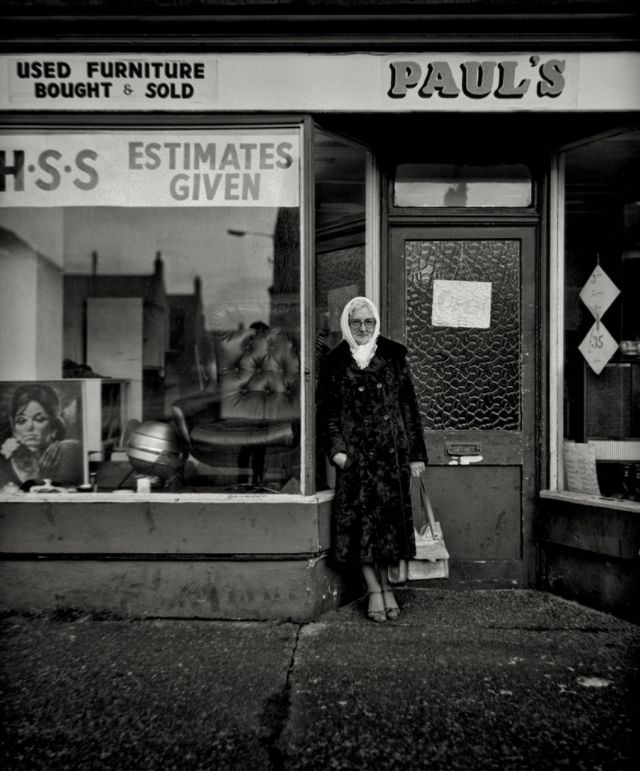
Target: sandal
[
  {"x": 391, "y": 606},
  {"x": 376, "y": 611}
]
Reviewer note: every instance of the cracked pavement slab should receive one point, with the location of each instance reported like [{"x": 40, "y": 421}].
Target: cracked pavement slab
[
  {"x": 468, "y": 680},
  {"x": 128, "y": 695}
]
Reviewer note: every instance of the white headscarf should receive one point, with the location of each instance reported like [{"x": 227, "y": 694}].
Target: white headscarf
[{"x": 362, "y": 354}]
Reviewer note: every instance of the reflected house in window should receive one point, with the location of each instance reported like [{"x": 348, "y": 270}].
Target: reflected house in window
[
  {"x": 31, "y": 289},
  {"x": 119, "y": 326},
  {"x": 189, "y": 358}
]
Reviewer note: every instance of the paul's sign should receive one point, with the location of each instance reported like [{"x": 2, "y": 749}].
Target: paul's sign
[
  {"x": 322, "y": 82},
  {"x": 477, "y": 79}
]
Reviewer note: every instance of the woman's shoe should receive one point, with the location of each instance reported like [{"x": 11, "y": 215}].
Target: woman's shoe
[
  {"x": 392, "y": 611},
  {"x": 376, "y": 610}
]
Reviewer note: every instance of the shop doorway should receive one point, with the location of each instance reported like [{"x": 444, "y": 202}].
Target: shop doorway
[{"x": 463, "y": 301}]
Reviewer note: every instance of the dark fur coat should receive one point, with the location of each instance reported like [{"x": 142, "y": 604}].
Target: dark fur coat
[{"x": 371, "y": 415}]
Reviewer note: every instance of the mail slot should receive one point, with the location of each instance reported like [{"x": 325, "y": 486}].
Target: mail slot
[{"x": 460, "y": 448}]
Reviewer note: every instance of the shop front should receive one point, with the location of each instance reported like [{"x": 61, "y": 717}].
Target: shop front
[{"x": 179, "y": 233}]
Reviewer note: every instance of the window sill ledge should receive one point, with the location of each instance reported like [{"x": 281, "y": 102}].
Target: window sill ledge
[
  {"x": 592, "y": 501},
  {"x": 128, "y": 496}
]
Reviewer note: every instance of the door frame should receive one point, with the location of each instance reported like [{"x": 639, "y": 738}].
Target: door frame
[{"x": 528, "y": 441}]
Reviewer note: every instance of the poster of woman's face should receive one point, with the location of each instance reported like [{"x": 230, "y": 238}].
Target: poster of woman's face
[{"x": 41, "y": 434}]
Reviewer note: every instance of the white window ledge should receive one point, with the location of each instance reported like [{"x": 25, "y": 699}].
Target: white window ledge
[
  {"x": 128, "y": 496},
  {"x": 601, "y": 502}
]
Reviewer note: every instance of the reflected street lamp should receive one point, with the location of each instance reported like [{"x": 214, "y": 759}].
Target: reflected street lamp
[
  {"x": 257, "y": 233},
  {"x": 243, "y": 233}
]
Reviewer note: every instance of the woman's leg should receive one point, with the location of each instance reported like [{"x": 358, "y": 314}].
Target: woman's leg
[
  {"x": 376, "y": 610},
  {"x": 390, "y": 604}
]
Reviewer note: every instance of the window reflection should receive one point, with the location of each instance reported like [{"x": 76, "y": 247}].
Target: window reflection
[
  {"x": 454, "y": 185},
  {"x": 196, "y": 308}
]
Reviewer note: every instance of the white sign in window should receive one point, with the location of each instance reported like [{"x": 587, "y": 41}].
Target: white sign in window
[
  {"x": 461, "y": 304},
  {"x": 150, "y": 169}
]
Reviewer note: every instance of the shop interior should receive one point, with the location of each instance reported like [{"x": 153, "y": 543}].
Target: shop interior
[{"x": 602, "y": 342}]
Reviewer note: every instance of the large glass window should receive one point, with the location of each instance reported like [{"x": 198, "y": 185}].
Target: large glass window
[
  {"x": 601, "y": 449},
  {"x": 165, "y": 267},
  {"x": 340, "y": 196}
]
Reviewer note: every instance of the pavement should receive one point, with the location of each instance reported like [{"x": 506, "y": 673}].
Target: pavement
[{"x": 472, "y": 680}]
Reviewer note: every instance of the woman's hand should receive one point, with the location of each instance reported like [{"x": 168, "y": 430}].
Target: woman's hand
[
  {"x": 417, "y": 467},
  {"x": 340, "y": 459}
]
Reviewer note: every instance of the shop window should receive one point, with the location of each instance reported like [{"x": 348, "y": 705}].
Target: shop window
[
  {"x": 167, "y": 263},
  {"x": 602, "y": 317},
  {"x": 340, "y": 184},
  {"x": 461, "y": 185}
]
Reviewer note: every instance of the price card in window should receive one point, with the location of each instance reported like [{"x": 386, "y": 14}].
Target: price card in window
[
  {"x": 598, "y": 347},
  {"x": 599, "y": 292}
]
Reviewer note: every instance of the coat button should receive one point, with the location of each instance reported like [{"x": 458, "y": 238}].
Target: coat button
[
  {"x": 360, "y": 388},
  {"x": 379, "y": 385}
]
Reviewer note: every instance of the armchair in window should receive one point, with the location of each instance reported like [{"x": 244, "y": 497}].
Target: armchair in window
[{"x": 247, "y": 424}]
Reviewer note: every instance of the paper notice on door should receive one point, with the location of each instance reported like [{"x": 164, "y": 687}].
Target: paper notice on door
[
  {"x": 580, "y": 468},
  {"x": 461, "y": 304}
]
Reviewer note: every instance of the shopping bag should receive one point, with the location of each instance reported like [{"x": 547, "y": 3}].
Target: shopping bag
[
  {"x": 397, "y": 574},
  {"x": 432, "y": 556}
]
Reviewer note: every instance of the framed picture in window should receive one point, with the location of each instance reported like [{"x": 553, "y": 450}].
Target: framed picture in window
[{"x": 43, "y": 432}]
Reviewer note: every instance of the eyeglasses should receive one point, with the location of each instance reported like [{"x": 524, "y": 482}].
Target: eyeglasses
[{"x": 356, "y": 324}]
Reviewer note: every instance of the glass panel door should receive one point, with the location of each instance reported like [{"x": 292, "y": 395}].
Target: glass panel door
[{"x": 462, "y": 300}]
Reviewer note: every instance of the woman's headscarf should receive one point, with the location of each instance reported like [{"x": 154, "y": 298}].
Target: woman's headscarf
[{"x": 362, "y": 354}]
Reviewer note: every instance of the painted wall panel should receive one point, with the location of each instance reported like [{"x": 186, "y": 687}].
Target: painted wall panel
[
  {"x": 95, "y": 527},
  {"x": 297, "y": 590}
]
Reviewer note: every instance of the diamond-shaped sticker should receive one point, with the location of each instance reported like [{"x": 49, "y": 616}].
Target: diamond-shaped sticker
[
  {"x": 598, "y": 347},
  {"x": 599, "y": 292}
]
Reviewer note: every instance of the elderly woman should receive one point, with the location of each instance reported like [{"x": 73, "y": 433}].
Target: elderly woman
[
  {"x": 37, "y": 449},
  {"x": 372, "y": 432}
]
